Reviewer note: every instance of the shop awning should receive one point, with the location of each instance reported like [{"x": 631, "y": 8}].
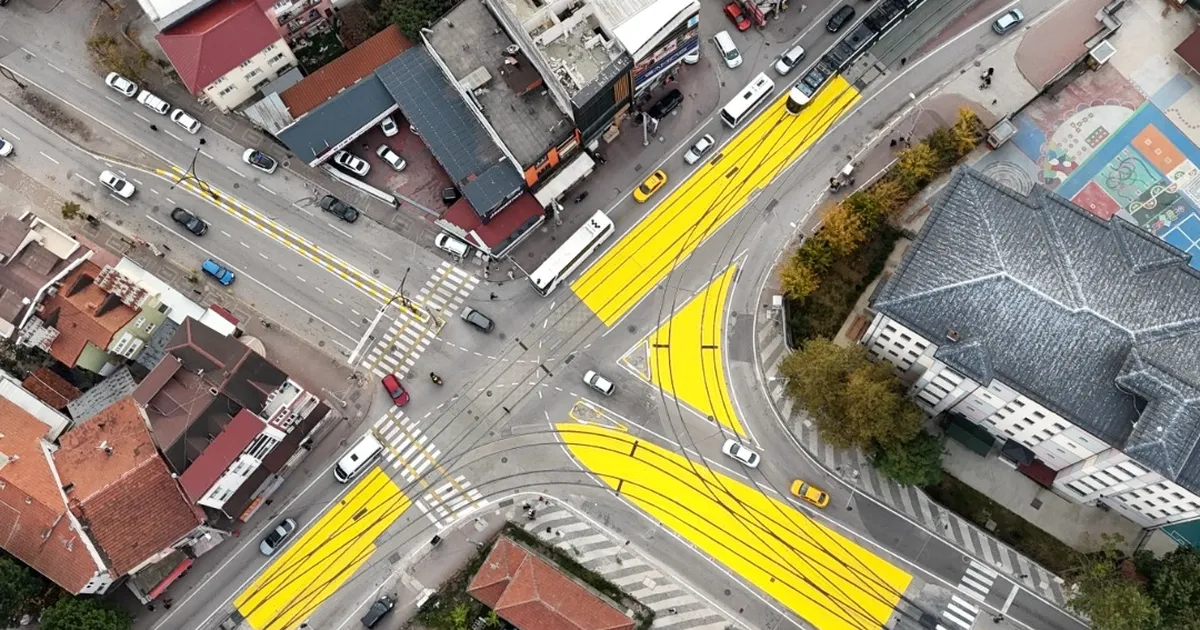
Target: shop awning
[
  {"x": 563, "y": 180},
  {"x": 1189, "y": 50},
  {"x": 179, "y": 570}
]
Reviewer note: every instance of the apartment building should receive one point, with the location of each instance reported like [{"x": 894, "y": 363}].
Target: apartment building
[{"x": 1074, "y": 341}]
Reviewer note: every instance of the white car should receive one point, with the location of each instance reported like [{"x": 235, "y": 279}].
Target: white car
[
  {"x": 593, "y": 379},
  {"x": 181, "y": 118},
  {"x": 451, "y": 245},
  {"x": 789, "y": 60},
  {"x": 388, "y": 126},
  {"x": 121, "y": 84},
  {"x": 390, "y": 156},
  {"x": 693, "y": 57},
  {"x": 698, "y": 150},
  {"x": 6, "y": 148},
  {"x": 260, "y": 161},
  {"x": 153, "y": 103},
  {"x": 740, "y": 453},
  {"x": 277, "y": 537},
  {"x": 352, "y": 163},
  {"x": 117, "y": 184}
]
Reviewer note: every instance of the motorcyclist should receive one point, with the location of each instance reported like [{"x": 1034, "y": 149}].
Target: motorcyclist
[{"x": 435, "y": 378}]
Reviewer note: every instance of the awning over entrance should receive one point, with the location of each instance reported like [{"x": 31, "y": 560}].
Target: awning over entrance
[
  {"x": 1189, "y": 50},
  {"x": 570, "y": 175},
  {"x": 170, "y": 578}
]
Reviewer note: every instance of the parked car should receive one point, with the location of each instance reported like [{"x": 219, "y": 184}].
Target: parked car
[
  {"x": 351, "y": 163},
  {"x": 735, "y": 450},
  {"x": 698, "y": 150},
  {"x": 181, "y": 118},
  {"x": 477, "y": 319},
  {"x": 260, "y": 161},
  {"x": 386, "y": 154},
  {"x": 692, "y": 57},
  {"x": 275, "y": 539},
  {"x": 734, "y": 12},
  {"x": 214, "y": 269},
  {"x": 378, "y": 611},
  {"x": 388, "y": 126},
  {"x": 810, "y": 493},
  {"x": 391, "y": 383},
  {"x": 121, "y": 84},
  {"x": 451, "y": 245},
  {"x": 6, "y": 148},
  {"x": 844, "y": 15},
  {"x": 728, "y": 50},
  {"x": 665, "y": 105},
  {"x": 191, "y": 222},
  {"x": 153, "y": 103},
  {"x": 339, "y": 208},
  {"x": 450, "y": 194},
  {"x": 593, "y": 379},
  {"x": 649, "y": 186},
  {"x": 789, "y": 60},
  {"x": 117, "y": 184},
  {"x": 1008, "y": 21}
]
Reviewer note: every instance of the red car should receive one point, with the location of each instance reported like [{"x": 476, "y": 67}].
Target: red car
[
  {"x": 391, "y": 383},
  {"x": 737, "y": 16}
]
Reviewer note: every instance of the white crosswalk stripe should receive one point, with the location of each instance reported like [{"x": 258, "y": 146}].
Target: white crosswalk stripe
[
  {"x": 410, "y": 453},
  {"x": 675, "y": 607},
  {"x": 975, "y": 583},
  {"x": 407, "y": 337}
]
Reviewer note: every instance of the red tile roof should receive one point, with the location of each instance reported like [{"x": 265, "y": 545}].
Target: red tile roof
[
  {"x": 218, "y": 455},
  {"x": 217, "y": 40},
  {"x": 121, "y": 488},
  {"x": 532, "y": 594},
  {"x": 51, "y": 388},
  {"x": 33, "y": 526},
  {"x": 501, "y": 226},
  {"x": 341, "y": 73},
  {"x": 85, "y": 312}
]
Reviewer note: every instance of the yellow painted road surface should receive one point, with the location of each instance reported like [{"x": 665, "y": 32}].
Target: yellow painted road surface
[
  {"x": 815, "y": 572},
  {"x": 686, "y": 358},
  {"x": 325, "y": 557},
  {"x": 709, "y": 198}
]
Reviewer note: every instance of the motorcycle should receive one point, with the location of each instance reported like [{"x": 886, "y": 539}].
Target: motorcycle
[
  {"x": 437, "y": 380},
  {"x": 581, "y": 196}
]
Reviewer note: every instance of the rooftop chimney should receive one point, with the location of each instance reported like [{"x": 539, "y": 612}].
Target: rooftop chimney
[{"x": 952, "y": 335}]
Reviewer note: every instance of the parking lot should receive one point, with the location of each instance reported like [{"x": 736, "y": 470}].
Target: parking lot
[{"x": 422, "y": 180}]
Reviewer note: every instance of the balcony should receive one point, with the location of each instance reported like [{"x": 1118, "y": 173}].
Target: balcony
[{"x": 297, "y": 10}]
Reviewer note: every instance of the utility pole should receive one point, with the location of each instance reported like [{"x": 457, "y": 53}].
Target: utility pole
[{"x": 190, "y": 175}]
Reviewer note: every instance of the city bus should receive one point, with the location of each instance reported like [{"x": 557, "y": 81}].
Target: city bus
[
  {"x": 567, "y": 258},
  {"x": 748, "y": 100}
]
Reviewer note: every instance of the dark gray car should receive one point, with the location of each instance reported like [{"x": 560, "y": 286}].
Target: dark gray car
[
  {"x": 378, "y": 611},
  {"x": 339, "y": 208},
  {"x": 477, "y": 319}
]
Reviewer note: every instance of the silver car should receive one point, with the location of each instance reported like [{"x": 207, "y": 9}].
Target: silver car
[
  {"x": 275, "y": 539},
  {"x": 789, "y": 60},
  {"x": 386, "y": 154},
  {"x": 352, "y": 163},
  {"x": 477, "y": 319},
  {"x": 1008, "y": 21},
  {"x": 698, "y": 150}
]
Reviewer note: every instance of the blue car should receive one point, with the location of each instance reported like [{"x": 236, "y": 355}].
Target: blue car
[{"x": 223, "y": 275}]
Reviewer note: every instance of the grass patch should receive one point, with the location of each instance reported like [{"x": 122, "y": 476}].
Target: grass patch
[
  {"x": 1015, "y": 531},
  {"x": 822, "y": 312}
]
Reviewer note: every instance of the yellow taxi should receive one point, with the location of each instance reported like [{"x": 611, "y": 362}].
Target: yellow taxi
[
  {"x": 650, "y": 186},
  {"x": 812, "y": 494}
]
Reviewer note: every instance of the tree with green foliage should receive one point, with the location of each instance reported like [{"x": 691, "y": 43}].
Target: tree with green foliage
[
  {"x": 816, "y": 375},
  {"x": 874, "y": 409},
  {"x": 1109, "y": 599},
  {"x": 18, "y": 586},
  {"x": 1174, "y": 586},
  {"x": 843, "y": 230},
  {"x": 412, "y": 15},
  {"x": 916, "y": 166},
  {"x": 797, "y": 280},
  {"x": 966, "y": 131},
  {"x": 84, "y": 613},
  {"x": 914, "y": 462}
]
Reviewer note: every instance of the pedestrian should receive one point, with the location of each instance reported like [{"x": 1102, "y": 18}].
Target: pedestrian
[
  {"x": 492, "y": 296},
  {"x": 988, "y": 81},
  {"x": 167, "y": 605},
  {"x": 903, "y": 60},
  {"x": 995, "y": 100},
  {"x": 153, "y": 127},
  {"x": 997, "y": 618},
  {"x": 269, "y": 501},
  {"x": 532, "y": 514},
  {"x": 990, "y": 71},
  {"x": 525, "y": 506},
  {"x": 672, "y": 611},
  {"x": 893, "y": 143},
  {"x": 150, "y": 607}
]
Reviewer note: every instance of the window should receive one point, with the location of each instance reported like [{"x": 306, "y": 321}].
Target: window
[
  {"x": 1040, "y": 416},
  {"x": 219, "y": 81},
  {"x": 276, "y": 58},
  {"x": 1078, "y": 489},
  {"x": 1057, "y": 426},
  {"x": 141, "y": 319},
  {"x": 253, "y": 73},
  {"x": 246, "y": 63},
  {"x": 271, "y": 47},
  {"x": 150, "y": 328},
  {"x": 1131, "y": 469},
  {"x": 226, "y": 90}
]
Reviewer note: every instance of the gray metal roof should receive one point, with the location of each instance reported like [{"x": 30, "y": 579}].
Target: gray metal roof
[
  {"x": 337, "y": 119},
  {"x": 1088, "y": 317},
  {"x": 468, "y": 40},
  {"x": 114, "y": 387},
  {"x": 453, "y": 134}
]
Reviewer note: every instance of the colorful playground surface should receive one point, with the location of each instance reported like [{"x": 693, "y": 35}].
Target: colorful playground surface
[{"x": 1112, "y": 151}]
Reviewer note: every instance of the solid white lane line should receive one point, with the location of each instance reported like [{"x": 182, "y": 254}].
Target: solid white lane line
[{"x": 48, "y": 157}]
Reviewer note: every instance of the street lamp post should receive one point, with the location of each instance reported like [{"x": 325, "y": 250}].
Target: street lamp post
[
  {"x": 190, "y": 175},
  {"x": 851, "y": 478},
  {"x": 399, "y": 293},
  {"x": 916, "y": 114},
  {"x": 7, "y": 74}
]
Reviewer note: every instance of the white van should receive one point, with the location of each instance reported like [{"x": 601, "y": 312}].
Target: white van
[
  {"x": 364, "y": 451},
  {"x": 153, "y": 103},
  {"x": 728, "y": 50},
  {"x": 451, "y": 245}
]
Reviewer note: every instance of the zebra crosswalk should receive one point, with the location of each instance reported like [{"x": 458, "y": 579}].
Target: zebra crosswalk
[
  {"x": 675, "y": 607},
  {"x": 975, "y": 584},
  {"x": 409, "y": 452},
  {"x": 408, "y": 336}
]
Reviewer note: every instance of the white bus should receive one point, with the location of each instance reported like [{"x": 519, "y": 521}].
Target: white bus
[
  {"x": 568, "y": 257},
  {"x": 748, "y": 100}
]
